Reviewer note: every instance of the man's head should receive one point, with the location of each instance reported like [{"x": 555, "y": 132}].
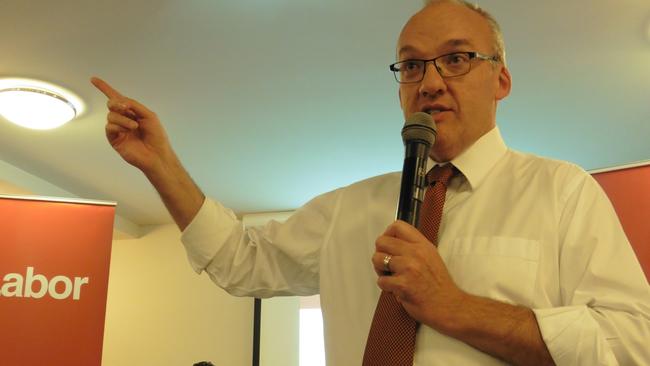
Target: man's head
[{"x": 468, "y": 102}]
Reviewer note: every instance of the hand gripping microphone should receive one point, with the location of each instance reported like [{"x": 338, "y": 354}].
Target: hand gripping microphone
[{"x": 419, "y": 134}]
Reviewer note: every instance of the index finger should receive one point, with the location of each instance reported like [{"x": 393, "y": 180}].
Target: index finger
[
  {"x": 402, "y": 230},
  {"x": 105, "y": 88}
]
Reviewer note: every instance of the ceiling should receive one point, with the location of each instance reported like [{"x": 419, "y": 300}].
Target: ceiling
[{"x": 269, "y": 103}]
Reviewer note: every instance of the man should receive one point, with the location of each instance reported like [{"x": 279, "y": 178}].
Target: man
[{"x": 531, "y": 266}]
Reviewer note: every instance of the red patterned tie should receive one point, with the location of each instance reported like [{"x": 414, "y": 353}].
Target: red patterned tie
[{"x": 391, "y": 340}]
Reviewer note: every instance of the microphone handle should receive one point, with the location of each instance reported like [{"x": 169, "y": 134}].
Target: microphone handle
[{"x": 413, "y": 185}]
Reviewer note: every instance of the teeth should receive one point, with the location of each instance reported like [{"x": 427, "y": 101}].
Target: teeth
[{"x": 433, "y": 111}]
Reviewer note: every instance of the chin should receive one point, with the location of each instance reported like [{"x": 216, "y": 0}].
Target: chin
[{"x": 443, "y": 153}]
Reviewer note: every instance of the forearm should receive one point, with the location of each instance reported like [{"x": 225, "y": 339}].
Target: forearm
[
  {"x": 505, "y": 331},
  {"x": 182, "y": 197},
  {"x": 423, "y": 286}
]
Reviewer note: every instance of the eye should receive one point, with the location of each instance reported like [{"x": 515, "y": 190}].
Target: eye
[
  {"x": 456, "y": 59},
  {"x": 411, "y": 65}
]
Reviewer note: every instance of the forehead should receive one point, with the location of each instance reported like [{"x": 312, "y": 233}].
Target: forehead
[{"x": 442, "y": 27}]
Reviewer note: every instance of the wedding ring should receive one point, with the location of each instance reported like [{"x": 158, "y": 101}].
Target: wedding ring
[{"x": 387, "y": 259}]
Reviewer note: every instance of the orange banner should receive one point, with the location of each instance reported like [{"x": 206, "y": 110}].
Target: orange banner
[
  {"x": 629, "y": 191},
  {"x": 54, "y": 266}
]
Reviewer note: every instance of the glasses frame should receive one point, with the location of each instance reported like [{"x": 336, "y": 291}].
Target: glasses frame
[{"x": 471, "y": 54}]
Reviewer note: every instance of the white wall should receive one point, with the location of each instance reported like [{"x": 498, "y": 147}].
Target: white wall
[
  {"x": 161, "y": 313},
  {"x": 280, "y": 336}
]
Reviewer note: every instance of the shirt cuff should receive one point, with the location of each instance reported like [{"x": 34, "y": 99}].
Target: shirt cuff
[
  {"x": 573, "y": 336},
  {"x": 207, "y": 232}
]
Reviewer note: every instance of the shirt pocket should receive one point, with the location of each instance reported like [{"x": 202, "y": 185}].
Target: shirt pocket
[{"x": 500, "y": 268}]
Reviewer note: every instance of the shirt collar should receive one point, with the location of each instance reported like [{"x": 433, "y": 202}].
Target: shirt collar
[{"x": 480, "y": 158}]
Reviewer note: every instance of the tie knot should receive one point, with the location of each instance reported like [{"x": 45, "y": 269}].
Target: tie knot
[{"x": 440, "y": 174}]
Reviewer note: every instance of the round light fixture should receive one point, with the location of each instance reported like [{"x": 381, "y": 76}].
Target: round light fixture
[{"x": 37, "y": 105}]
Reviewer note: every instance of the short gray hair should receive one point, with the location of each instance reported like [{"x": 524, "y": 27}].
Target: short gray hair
[{"x": 499, "y": 44}]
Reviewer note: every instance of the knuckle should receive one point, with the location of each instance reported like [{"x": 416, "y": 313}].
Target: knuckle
[
  {"x": 411, "y": 268},
  {"x": 114, "y": 118},
  {"x": 115, "y": 105},
  {"x": 378, "y": 242},
  {"x": 407, "y": 267}
]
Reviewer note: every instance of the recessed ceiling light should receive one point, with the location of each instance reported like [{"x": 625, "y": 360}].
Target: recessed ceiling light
[{"x": 36, "y": 104}]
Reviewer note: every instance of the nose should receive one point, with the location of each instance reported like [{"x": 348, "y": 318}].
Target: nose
[{"x": 432, "y": 84}]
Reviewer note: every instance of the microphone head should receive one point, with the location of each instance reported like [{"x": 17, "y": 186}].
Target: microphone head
[{"x": 419, "y": 127}]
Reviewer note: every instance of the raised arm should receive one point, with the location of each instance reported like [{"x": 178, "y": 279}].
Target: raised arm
[{"x": 136, "y": 133}]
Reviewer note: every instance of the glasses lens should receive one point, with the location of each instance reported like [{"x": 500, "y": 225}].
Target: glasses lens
[
  {"x": 409, "y": 71},
  {"x": 454, "y": 64}
]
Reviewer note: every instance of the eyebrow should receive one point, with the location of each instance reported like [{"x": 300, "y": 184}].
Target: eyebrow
[
  {"x": 456, "y": 43},
  {"x": 448, "y": 44}
]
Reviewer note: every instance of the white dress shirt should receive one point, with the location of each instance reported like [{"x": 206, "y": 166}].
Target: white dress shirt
[{"x": 515, "y": 228}]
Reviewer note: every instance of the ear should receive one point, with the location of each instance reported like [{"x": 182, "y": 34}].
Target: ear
[{"x": 505, "y": 83}]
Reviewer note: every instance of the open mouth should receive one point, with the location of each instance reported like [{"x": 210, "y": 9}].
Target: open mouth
[{"x": 434, "y": 111}]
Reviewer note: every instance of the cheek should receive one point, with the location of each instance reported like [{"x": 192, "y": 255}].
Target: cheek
[
  {"x": 474, "y": 101},
  {"x": 407, "y": 97}
]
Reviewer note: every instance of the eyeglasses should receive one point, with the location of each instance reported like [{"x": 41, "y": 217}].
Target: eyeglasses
[{"x": 449, "y": 65}]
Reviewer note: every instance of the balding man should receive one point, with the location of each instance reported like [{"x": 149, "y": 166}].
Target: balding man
[{"x": 529, "y": 265}]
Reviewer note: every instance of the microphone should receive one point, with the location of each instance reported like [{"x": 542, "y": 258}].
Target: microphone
[{"x": 419, "y": 134}]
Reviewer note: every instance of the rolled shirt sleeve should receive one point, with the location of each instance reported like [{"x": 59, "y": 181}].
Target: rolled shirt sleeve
[
  {"x": 272, "y": 260},
  {"x": 573, "y": 337},
  {"x": 213, "y": 224}
]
